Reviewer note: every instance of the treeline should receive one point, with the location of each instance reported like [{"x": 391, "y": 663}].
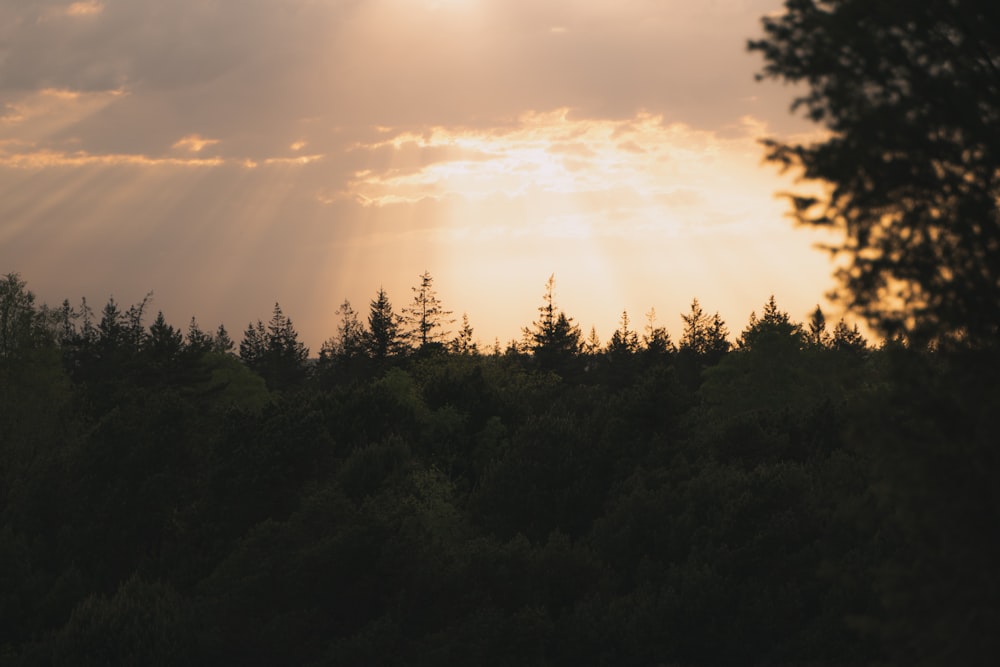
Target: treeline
[{"x": 791, "y": 497}]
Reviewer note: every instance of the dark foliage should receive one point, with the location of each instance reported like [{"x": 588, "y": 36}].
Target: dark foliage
[
  {"x": 804, "y": 502},
  {"x": 910, "y": 95}
]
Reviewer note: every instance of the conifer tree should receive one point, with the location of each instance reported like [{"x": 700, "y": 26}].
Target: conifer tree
[
  {"x": 624, "y": 341},
  {"x": 817, "y": 336},
  {"x": 703, "y": 334},
  {"x": 383, "y": 327},
  {"x": 425, "y": 317},
  {"x": 222, "y": 343},
  {"x": 274, "y": 351},
  {"x": 197, "y": 342},
  {"x": 463, "y": 343},
  {"x": 164, "y": 343},
  {"x": 253, "y": 347},
  {"x": 351, "y": 339},
  {"x": 655, "y": 339},
  {"x": 553, "y": 340},
  {"x": 774, "y": 329},
  {"x": 20, "y": 326},
  {"x": 592, "y": 345},
  {"x": 848, "y": 339},
  {"x": 111, "y": 328}
]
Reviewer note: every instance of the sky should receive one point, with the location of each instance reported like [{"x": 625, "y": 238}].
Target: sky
[{"x": 229, "y": 154}]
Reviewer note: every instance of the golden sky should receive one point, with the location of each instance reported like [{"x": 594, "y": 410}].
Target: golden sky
[{"x": 227, "y": 154}]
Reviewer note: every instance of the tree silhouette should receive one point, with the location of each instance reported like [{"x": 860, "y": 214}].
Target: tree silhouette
[
  {"x": 553, "y": 340},
  {"x": 772, "y": 331},
  {"x": 624, "y": 341},
  {"x": 274, "y": 351},
  {"x": 909, "y": 96},
  {"x": 704, "y": 335},
  {"x": 847, "y": 339},
  {"x": 817, "y": 335},
  {"x": 351, "y": 338},
  {"x": 383, "y": 327},
  {"x": 425, "y": 316},
  {"x": 197, "y": 342},
  {"x": 463, "y": 343},
  {"x": 222, "y": 343},
  {"x": 21, "y": 327},
  {"x": 592, "y": 345},
  {"x": 655, "y": 339},
  {"x": 164, "y": 343}
]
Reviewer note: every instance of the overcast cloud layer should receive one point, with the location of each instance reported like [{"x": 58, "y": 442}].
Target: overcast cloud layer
[{"x": 227, "y": 154}]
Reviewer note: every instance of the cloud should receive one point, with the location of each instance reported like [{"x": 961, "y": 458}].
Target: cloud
[
  {"x": 261, "y": 74},
  {"x": 194, "y": 143}
]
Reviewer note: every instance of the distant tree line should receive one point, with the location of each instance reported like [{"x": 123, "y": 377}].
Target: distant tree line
[{"x": 790, "y": 495}]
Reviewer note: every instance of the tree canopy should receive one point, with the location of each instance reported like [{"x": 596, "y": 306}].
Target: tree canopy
[{"x": 909, "y": 96}]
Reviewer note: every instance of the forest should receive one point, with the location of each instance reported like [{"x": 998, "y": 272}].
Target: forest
[
  {"x": 791, "y": 495},
  {"x": 778, "y": 494}
]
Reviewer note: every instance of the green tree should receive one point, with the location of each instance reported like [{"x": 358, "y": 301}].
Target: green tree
[
  {"x": 426, "y": 317},
  {"x": 909, "y": 98}
]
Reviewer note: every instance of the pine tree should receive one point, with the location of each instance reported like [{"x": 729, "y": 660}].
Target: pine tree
[
  {"x": 773, "y": 330},
  {"x": 655, "y": 340},
  {"x": 703, "y": 334},
  {"x": 351, "y": 339},
  {"x": 383, "y": 328},
  {"x": 553, "y": 340},
  {"x": 274, "y": 351},
  {"x": 253, "y": 347},
  {"x": 111, "y": 328},
  {"x": 425, "y": 317},
  {"x": 19, "y": 322},
  {"x": 463, "y": 343},
  {"x": 197, "y": 342},
  {"x": 164, "y": 343},
  {"x": 222, "y": 343},
  {"x": 624, "y": 341},
  {"x": 817, "y": 336},
  {"x": 592, "y": 346},
  {"x": 848, "y": 339}
]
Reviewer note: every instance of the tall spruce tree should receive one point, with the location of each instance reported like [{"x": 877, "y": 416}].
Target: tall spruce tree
[
  {"x": 384, "y": 338},
  {"x": 274, "y": 351},
  {"x": 655, "y": 339},
  {"x": 624, "y": 341},
  {"x": 704, "y": 335},
  {"x": 425, "y": 318},
  {"x": 773, "y": 330},
  {"x": 553, "y": 340}
]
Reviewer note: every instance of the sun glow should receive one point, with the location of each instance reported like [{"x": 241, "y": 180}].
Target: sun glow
[{"x": 605, "y": 204}]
